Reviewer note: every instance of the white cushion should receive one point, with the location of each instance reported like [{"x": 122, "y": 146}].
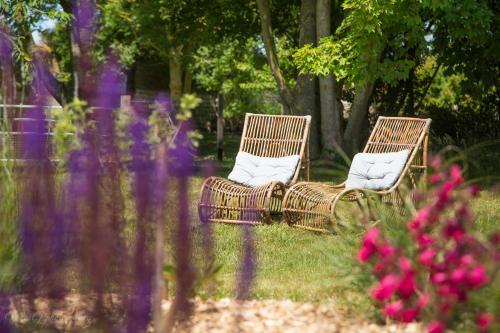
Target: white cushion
[
  {"x": 376, "y": 171},
  {"x": 251, "y": 170}
]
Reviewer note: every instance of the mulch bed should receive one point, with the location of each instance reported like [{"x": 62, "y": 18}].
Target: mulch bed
[{"x": 74, "y": 314}]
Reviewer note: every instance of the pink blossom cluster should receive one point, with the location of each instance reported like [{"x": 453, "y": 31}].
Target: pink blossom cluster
[{"x": 444, "y": 262}]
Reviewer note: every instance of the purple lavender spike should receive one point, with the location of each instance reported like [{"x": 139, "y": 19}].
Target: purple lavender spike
[
  {"x": 139, "y": 306},
  {"x": 35, "y": 138},
  {"x": 109, "y": 88},
  {"x": 248, "y": 265},
  {"x": 206, "y": 227},
  {"x": 7, "y": 68},
  {"x": 5, "y": 324},
  {"x": 181, "y": 167},
  {"x": 165, "y": 103},
  {"x": 42, "y": 229},
  {"x": 160, "y": 187},
  {"x": 5, "y": 45}
]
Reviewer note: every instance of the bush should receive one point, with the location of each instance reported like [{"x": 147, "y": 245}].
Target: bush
[{"x": 435, "y": 268}]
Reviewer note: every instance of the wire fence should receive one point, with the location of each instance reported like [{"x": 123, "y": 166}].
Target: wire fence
[{"x": 15, "y": 124}]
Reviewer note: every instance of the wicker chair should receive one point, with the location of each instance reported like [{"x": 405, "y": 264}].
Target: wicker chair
[
  {"x": 312, "y": 206},
  {"x": 222, "y": 200}
]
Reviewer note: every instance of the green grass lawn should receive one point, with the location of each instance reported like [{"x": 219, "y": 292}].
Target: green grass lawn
[{"x": 301, "y": 265}]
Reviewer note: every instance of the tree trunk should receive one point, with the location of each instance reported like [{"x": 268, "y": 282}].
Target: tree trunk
[
  {"x": 82, "y": 37},
  {"x": 272, "y": 57},
  {"x": 75, "y": 59},
  {"x": 188, "y": 82},
  {"x": 220, "y": 127},
  {"x": 305, "y": 92},
  {"x": 175, "y": 71},
  {"x": 411, "y": 91},
  {"x": 331, "y": 108},
  {"x": 357, "y": 120},
  {"x": 302, "y": 99}
]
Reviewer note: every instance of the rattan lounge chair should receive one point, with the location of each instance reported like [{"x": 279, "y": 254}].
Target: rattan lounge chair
[
  {"x": 222, "y": 200},
  {"x": 313, "y": 206}
]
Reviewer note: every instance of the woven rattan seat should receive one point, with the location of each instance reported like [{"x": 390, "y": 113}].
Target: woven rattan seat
[
  {"x": 313, "y": 206},
  {"x": 222, "y": 200}
]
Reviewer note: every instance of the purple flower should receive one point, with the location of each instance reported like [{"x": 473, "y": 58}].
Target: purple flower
[{"x": 248, "y": 266}]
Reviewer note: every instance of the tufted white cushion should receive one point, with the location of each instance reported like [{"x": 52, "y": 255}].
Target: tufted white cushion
[
  {"x": 376, "y": 171},
  {"x": 251, "y": 170}
]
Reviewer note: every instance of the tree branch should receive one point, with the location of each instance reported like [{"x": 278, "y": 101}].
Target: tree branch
[
  {"x": 427, "y": 87},
  {"x": 272, "y": 56}
]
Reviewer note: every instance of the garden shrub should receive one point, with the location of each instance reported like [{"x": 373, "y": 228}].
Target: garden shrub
[{"x": 435, "y": 267}]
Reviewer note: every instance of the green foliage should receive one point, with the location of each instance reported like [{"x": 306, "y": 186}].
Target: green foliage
[
  {"x": 9, "y": 246},
  {"x": 386, "y": 39},
  {"x": 461, "y": 116},
  {"x": 239, "y": 71},
  {"x": 69, "y": 126},
  {"x": 154, "y": 28},
  {"x": 188, "y": 103},
  {"x": 470, "y": 49},
  {"x": 22, "y": 18},
  {"x": 160, "y": 124},
  {"x": 356, "y": 51}
]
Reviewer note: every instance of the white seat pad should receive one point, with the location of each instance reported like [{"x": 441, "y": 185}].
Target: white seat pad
[
  {"x": 251, "y": 170},
  {"x": 374, "y": 171}
]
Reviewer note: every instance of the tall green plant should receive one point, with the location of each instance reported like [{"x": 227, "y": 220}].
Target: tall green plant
[{"x": 9, "y": 245}]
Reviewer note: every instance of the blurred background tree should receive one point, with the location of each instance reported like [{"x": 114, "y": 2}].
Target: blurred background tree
[{"x": 342, "y": 62}]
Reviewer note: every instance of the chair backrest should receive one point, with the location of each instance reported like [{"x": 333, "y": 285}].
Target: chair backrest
[
  {"x": 392, "y": 134},
  {"x": 278, "y": 136}
]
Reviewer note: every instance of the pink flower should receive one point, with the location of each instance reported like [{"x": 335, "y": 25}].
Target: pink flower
[
  {"x": 474, "y": 190},
  {"x": 444, "y": 195},
  {"x": 393, "y": 309},
  {"x": 426, "y": 257},
  {"x": 386, "y": 250},
  {"x": 458, "y": 275},
  {"x": 405, "y": 264},
  {"x": 423, "y": 300},
  {"x": 484, "y": 321},
  {"x": 371, "y": 236},
  {"x": 435, "y": 178},
  {"x": 477, "y": 277},
  {"x": 368, "y": 247},
  {"x": 435, "y": 327},
  {"x": 456, "y": 174},
  {"x": 379, "y": 267},
  {"x": 366, "y": 252},
  {"x": 445, "y": 308},
  {"x": 409, "y": 315},
  {"x": 451, "y": 256},
  {"x": 385, "y": 288},
  {"x": 439, "y": 277},
  {"x": 454, "y": 230},
  {"x": 406, "y": 286},
  {"x": 436, "y": 162},
  {"x": 420, "y": 220},
  {"x": 445, "y": 290},
  {"x": 460, "y": 293},
  {"x": 424, "y": 239},
  {"x": 467, "y": 259},
  {"x": 414, "y": 225},
  {"x": 464, "y": 213}
]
